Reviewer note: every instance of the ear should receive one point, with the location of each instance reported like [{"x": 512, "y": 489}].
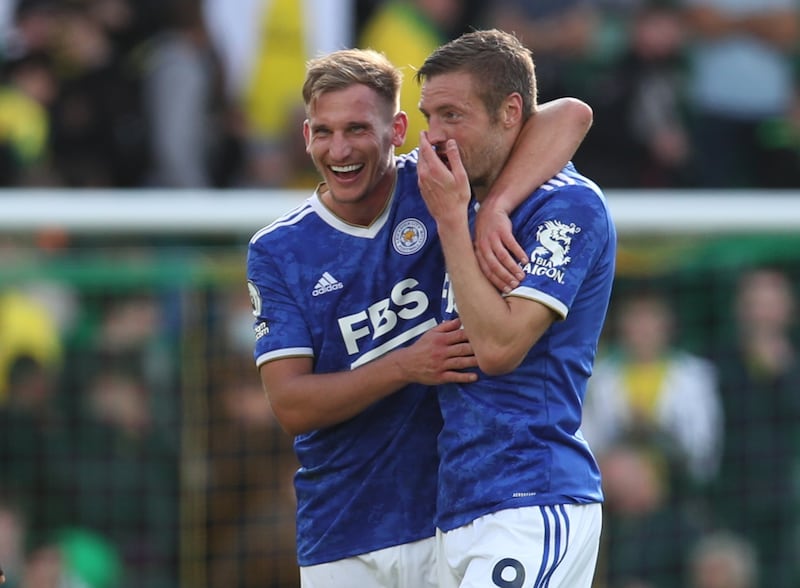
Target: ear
[
  {"x": 306, "y": 133},
  {"x": 511, "y": 110},
  {"x": 399, "y": 128}
]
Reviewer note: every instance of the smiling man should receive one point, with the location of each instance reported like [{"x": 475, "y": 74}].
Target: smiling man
[{"x": 348, "y": 345}]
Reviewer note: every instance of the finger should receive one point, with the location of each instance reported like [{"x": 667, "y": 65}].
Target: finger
[
  {"x": 449, "y": 326},
  {"x": 454, "y": 338},
  {"x": 422, "y": 162},
  {"x": 456, "y": 165},
  {"x": 437, "y": 168},
  {"x": 461, "y": 363},
  {"x": 455, "y": 377},
  {"x": 454, "y": 323},
  {"x": 505, "y": 267},
  {"x": 428, "y": 157},
  {"x": 511, "y": 245},
  {"x": 500, "y": 255},
  {"x": 460, "y": 350},
  {"x": 496, "y": 270},
  {"x": 425, "y": 147},
  {"x": 504, "y": 283}
]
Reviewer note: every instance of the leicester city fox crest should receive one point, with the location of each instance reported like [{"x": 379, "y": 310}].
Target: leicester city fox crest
[{"x": 409, "y": 236}]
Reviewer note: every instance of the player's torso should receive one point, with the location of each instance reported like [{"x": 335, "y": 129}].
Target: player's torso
[
  {"x": 512, "y": 416},
  {"x": 349, "y": 295}
]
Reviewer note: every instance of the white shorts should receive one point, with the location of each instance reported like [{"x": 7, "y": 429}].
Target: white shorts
[
  {"x": 412, "y": 565},
  {"x": 531, "y": 547}
]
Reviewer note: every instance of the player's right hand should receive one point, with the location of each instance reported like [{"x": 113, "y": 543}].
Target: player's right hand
[{"x": 440, "y": 356}]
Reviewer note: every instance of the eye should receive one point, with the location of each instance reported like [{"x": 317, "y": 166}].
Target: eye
[{"x": 451, "y": 116}]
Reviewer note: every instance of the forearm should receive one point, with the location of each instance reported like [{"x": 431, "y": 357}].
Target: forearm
[
  {"x": 485, "y": 314},
  {"x": 547, "y": 142},
  {"x": 304, "y": 401}
]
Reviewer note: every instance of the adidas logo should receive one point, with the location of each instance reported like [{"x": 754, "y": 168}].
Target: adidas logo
[{"x": 327, "y": 283}]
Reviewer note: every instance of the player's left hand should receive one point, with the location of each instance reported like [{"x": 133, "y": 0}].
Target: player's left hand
[
  {"x": 444, "y": 186},
  {"x": 498, "y": 252}
]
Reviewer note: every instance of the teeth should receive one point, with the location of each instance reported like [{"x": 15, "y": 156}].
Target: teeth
[{"x": 347, "y": 168}]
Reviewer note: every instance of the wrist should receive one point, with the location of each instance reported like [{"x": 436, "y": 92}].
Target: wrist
[
  {"x": 495, "y": 202},
  {"x": 452, "y": 222}
]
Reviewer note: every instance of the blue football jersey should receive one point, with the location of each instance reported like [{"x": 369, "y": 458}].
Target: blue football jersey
[
  {"x": 345, "y": 295},
  {"x": 514, "y": 440}
]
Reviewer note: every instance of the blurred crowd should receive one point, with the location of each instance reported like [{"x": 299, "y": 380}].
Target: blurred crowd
[
  {"x": 136, "y": 447},
  {"x": 206, "y": 93},
  {"x": 136, "y": 444},
  {"x": 699, "y": 449}
]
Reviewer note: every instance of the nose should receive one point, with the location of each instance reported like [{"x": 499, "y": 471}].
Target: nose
[
  {"x": 339, "y": 147},
  {"x": 436, "y": 134}
]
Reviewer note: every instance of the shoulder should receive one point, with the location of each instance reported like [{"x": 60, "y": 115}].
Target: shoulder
[
  {"x": 407, "y": 162},
  {"x": 574, "y": 198},
  {"x": 407, "y": 178},
  {"x": 570, "y": 181},
  {"x": 276, "y": 230}
]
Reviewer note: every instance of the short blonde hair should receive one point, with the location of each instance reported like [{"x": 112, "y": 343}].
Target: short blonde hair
[{"x": 344, "y": 68}]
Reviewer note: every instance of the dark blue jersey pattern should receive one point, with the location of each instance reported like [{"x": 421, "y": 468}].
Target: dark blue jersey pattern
[
  {"x": 514, "y": 440},
  {"x": 345, "y": 295}
]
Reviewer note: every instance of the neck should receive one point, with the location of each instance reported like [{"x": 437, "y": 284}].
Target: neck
[{"x": 361, "y": 211}]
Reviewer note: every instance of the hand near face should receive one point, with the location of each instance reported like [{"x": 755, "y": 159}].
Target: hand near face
[{"x": 443, "y": 180}]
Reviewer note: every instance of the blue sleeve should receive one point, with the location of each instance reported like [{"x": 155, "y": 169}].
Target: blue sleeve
[
  {"x": 280, "y": 327},
  {"x": 564, "y": 237}
]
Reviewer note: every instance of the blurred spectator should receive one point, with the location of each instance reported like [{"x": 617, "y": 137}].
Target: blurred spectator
[
  {"x": 407, "y": 31},
  {"x": 122, "y": 476},
  {"x": 32, "y": 28},
  {"x": 33, "y": 434},
  {"x": 28, "y": 88},
  {"x": 639, "y": 137},
  {"x": 741, "y": 80},
  {"x": 96, "y": 122},
  {"x": 647, "y": 535},
  {"x": 28, "y": 328},
  {"x": 184, "y": 100},
  {"x": 559, "y": 33},
  {"x": 646, "y": 387},
  {"x": 755, "y": 493},
  {"x": 6, "y": 19},
  {"x": 264, "y": 45},
  {"x": 73, "y": 558},
  {"x": 13, "y": 541},
  {"x": 250, "y": 463},
  {"x": 251, "y": 507},
  {"x": 723, "y": 560}
]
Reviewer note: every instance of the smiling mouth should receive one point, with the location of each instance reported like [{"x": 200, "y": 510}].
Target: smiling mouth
[{"x": 346, "y": 171}]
